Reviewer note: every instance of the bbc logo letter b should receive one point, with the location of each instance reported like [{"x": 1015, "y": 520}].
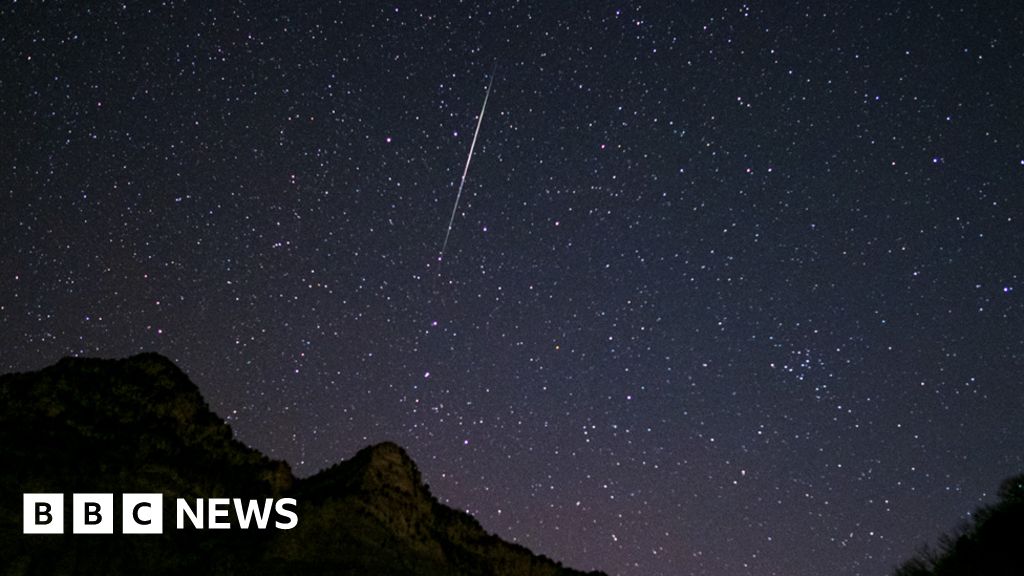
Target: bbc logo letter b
[
  {"x": 43, "y": 514},
  {"x": 92, "y": 514}
]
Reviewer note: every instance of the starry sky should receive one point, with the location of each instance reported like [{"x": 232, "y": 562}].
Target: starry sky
[{"x": 731, "y": 289}]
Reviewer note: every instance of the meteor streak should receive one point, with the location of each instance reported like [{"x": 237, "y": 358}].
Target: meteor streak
[{"x": 465, "y": 171}]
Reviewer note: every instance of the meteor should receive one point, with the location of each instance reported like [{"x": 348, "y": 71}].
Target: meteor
[{"x": 465, "y": 171}]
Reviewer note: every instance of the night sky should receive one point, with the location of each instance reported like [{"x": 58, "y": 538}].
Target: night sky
[{"x": 732, "y": 289}]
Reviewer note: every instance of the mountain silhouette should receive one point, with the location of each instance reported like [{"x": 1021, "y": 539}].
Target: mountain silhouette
[
  {"x": 139, "y": 425},
  {"x": 990, "y": 544}
]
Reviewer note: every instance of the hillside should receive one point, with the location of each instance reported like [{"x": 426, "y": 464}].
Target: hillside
[
  {"x": 140, "y": 425},
  {"x": 989, "y": 545}
]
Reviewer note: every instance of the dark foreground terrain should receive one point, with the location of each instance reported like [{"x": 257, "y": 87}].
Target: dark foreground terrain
[
  {"x": 140, "y": 425},
  {"x": 991, "y": 544}
]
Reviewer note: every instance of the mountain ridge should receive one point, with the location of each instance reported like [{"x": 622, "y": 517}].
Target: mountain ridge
[{"x": 141, "y": 425}]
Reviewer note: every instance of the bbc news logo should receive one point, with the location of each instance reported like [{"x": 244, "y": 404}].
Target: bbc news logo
[{"x": 143, "y": 513}]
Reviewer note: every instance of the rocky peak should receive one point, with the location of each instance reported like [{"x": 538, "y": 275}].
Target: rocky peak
[
  {"x": 141, "y": 425},
  {"x": 387, "y": 465}
]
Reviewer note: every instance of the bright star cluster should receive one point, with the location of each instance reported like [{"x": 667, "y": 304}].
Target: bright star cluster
[{"x": 732, "y": 288}]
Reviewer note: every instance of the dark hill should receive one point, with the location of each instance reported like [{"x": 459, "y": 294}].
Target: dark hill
[
  {"x": 991, "y": 544},
  {"x": 140, "y": 425}
]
